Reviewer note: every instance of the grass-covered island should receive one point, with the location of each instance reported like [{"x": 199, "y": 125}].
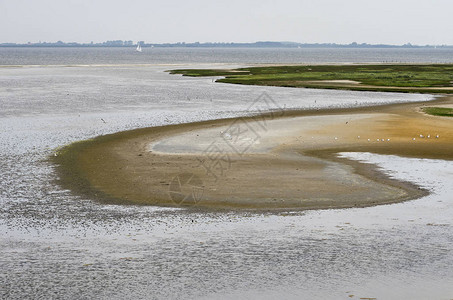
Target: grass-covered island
[{"x": 435, "y": 78}]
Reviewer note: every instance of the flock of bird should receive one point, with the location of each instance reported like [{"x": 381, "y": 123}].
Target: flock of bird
[
  {"x": 428, "y": 136},
  {"x": 388, "y": 140}
]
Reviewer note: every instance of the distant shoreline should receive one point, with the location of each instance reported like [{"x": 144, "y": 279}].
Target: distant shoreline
[{"x": 127, "y": 44}]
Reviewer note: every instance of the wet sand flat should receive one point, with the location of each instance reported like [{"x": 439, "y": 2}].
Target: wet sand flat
[{"x": 286, "y": 161}]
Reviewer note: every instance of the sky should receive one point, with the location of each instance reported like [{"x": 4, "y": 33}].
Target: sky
[{"x": 158, "y": 21}]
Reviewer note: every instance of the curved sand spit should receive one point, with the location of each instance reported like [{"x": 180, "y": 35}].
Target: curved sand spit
[{"x": 276, "y": 161}]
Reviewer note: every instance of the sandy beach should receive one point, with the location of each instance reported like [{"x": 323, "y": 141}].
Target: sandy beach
[{"x": 283, "y": 160}]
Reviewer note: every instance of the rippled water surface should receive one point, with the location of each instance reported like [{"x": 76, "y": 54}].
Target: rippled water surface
[
  {"x": 58, "y": 56},
  {"x": 55, "y": 244}
]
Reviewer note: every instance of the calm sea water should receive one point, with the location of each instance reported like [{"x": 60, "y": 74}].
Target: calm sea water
[
  {"x": 55, "y": 244},
  {"x": 58, "y": 56}
]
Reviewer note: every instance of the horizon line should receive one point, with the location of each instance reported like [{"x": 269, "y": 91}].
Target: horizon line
[{"x": 125, "y": 43}]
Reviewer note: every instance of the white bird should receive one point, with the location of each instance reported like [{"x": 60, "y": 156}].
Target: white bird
[
  {"x": 437, "y": 136},
  {"x": 388, "y": 140},
  {"x": 428, "y": 136},
  {"x": 421, "y": 136},
  {"x": 369, "y": 140},
  {"x": 413, "y": 139}
]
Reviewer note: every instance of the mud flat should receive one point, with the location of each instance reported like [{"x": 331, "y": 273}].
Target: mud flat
[{"x": 284, "y": 160}]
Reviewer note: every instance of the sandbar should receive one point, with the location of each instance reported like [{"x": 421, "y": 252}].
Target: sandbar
[{"x": 285, "y": 160}]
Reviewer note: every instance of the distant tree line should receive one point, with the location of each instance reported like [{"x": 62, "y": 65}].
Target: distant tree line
[{"x": 120, "y": 43}]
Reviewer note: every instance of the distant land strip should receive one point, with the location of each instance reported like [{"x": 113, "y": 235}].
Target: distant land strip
[{"x": 261, "y": 44}]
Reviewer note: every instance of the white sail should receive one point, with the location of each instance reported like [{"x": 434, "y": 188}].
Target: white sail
[{"x": 139, "y": 48}]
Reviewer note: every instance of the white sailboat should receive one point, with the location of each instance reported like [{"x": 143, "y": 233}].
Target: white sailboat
[{"x": 139, "y": 48}]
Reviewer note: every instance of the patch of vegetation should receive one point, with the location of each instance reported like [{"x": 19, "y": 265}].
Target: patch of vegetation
[
  {"x": 207, "y": 72},
  {"x": 393, "y": 78},
  {"x": 439, "y": 111}
]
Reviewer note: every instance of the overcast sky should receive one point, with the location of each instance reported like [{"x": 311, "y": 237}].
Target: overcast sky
[{"x": 159, "y": 21}]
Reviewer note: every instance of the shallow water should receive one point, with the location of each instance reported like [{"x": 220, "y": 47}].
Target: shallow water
[
  {"x": 99, "y": 55},
  {"x": 59, "y": 245}
]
